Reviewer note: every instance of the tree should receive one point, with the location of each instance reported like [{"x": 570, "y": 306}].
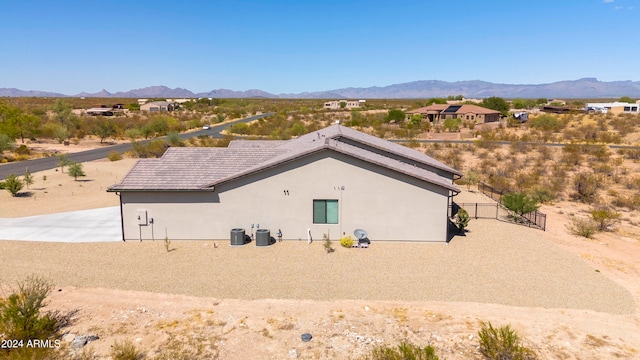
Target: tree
[
  {"x": 626, "y": 99},
  {"x": 28, "y": 178},
  {"x": 75, "y": 170},
  {"x": 63, "y": 160},
  {"x": 60, "y": 133},
  {"x": 13, "y": 184},
  {"x": 395, "y": 115},
  {"x": 436, "y": 101},
  {"x": 496, "y": 103},
  {"x": 416, "y": 119},
  {"x": 62, "y": 111},
  {"x": 520, "y": 203},
  {"x": 104, "y": 129},
  {"x": 343, "y": 104}
]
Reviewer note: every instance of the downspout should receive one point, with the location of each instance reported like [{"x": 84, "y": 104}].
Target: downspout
[{"x": 121, "y": 216}]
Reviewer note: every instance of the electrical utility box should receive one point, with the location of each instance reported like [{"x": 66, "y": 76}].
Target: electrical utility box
[{"x": 142, "y": 218}]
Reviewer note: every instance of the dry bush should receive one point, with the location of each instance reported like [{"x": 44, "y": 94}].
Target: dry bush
[
  {"x": 604, "y": 218},
  {"x": 125, "y": 350},
  {"x": 586, "y": 186},
  {"x": 631, "y": 202},
  {"x": 502, "y": 344},
  {"x": 582, "y": 227}
]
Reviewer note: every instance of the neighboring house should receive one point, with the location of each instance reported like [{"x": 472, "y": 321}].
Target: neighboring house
[
  {"x": 331, "y": 181},
  {"x": 441, "y": 112},
  {"x": 158, "y": 106},
  {"x": 349, "y": 104},
  {"x": 100, "y": 111},
  {"x": 613, "y": 108}
]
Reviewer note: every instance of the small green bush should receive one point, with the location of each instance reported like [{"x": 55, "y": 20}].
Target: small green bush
[
  {"x": 462, "y": 220},
  {"x": 13, "y": 184},
  {"x": 604, "y": 218},
  {"x": 327, "y": 244},
  {"x": 502, "y": 344},
  {"x": 404, "y": 351},
  {"x": 125, "y": 350},
  {"x": 347, "y": 241}
]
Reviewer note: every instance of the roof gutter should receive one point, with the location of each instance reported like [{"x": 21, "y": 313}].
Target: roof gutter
[{"x": 211, "y": 189}]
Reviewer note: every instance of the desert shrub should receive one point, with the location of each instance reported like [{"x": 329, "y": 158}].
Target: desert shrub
[
  {"x": 347, "y": 241},
  {"x": 13, "y": 184},
  {"x": 631, "y": 154},
  {"x": 543, "y": 195},
  {"x": 546, "y": 122},
  {"x": 152, "y": 149},
  {"x": 114, "y": 155},
  {"x": 502, "y": 344},
  {"x": 404, "y": 351},
  {"x": 586, "y": 186},
  {"x": 6, "y": 142},
  {"x": 604, "y": 218},
  {"x": 599, "y": 153},
  {"x": 571, "y": 154},
  {"x": 173, "y": 139},
  {"x": 582, "y": 227},
  {"x": 125, "y": 350},
  {"x": 21, "y": 316},
  {"x": 239, "y": 128},
  {"x": 631, "y": 202},
  {"x": 22, "y": 150},
  {"x": 520, "y": 203},
  {"x": 462, "y": 220}
]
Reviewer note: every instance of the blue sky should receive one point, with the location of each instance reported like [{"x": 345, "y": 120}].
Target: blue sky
[{"x": 294, "y": 46}]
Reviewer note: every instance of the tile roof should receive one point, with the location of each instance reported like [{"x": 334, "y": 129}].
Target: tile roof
[
  {"x": 203, "y": 168},
  {"x": 461, "y": 109}
]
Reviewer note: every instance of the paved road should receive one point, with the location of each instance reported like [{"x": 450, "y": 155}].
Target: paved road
[
  {"x": 90, "y": 155},
  {"x": 499, "y": 142}
]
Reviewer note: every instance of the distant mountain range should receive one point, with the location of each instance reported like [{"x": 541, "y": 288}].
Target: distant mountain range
[{"x": 582, "y": 88}]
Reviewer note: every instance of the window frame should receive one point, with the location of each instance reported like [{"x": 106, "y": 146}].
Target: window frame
[{"x": 326, "y": 211}]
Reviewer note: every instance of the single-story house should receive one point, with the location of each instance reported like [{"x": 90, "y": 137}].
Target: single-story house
[
  {"x": 348, "y": 104},
  {"x": 331, "y": 181},
  {"x": 157, "y": 106},
  {"x": 440, "y": 112},
  {"x": 613, "y": 108}
]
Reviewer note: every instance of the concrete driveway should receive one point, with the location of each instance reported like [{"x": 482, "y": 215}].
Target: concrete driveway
[{"x": 95, "y": 225}]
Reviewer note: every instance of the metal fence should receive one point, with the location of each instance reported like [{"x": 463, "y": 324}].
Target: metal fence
[
  {"x": 479, "y": 210},
  {"x": 534, "y": 219},
  {"x": 490, "y": 191}
]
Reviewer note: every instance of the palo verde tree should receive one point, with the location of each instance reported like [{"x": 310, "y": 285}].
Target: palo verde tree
[
  {"x": 75, "y": 170},
  {"x": 520, "y": 203},
  {"x": 395, "y": 115},
  {"x": 63, "y": 160},
  {"x": 104, "y": 128},
  {"x": 28, "y": 178},
  {"x": 496, "y": 103}
]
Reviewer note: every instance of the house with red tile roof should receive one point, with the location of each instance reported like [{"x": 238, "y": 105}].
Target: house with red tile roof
[{"x": 440, "y": 112}]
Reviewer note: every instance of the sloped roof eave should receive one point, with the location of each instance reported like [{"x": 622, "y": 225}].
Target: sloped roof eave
[{"x": 325, "y": 147}]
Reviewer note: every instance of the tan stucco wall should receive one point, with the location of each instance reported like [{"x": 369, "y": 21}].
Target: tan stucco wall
[{"x": 400, "y": 208}]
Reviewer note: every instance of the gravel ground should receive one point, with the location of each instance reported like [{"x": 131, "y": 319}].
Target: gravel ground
[{"x": 496, "y": 262}]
